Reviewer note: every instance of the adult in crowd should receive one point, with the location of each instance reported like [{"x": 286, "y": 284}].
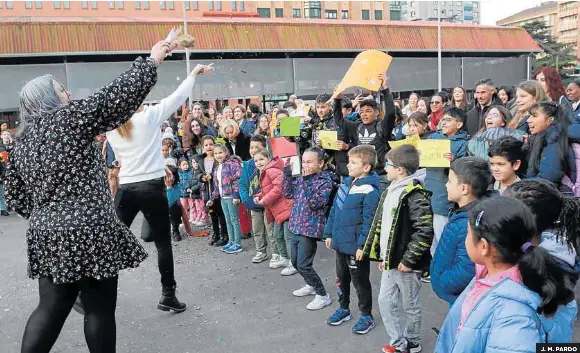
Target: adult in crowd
[
  {"x": 411, "y": 107},
  {"x": 254, "y": 113},
  {"x": 193, "y": 132},
  {"x": 423, "y": 105},
  {"x": 56, "y": 180},
  {"x": 496, "y": 120},
  {"x": 507, "y": 96},
  {"x": 528, "y": 93},
  {"x": 573, "y": 95},
  {"x": 247, "y": 126},
  {"x": 459, "y": 98},
  {"x": 550, "y": 80},
  {"x": 263, "y": 126},
  {"x": 3, "y": 126},
  {"x": 486, "y": 97},
  {"x": 211, "y": 113},
  {"x": 228, "y": 113},
  {"x": 137, "y": 145},
  {"x": 437, "y": 105},
  {"x": 237, "y": 142}
]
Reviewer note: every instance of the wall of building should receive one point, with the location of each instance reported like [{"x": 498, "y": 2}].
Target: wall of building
[
  {"x": 451, "y": 11},
  {"x": 338, "y": 10}
]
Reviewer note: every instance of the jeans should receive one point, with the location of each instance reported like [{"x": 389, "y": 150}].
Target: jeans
[
  {"x": 2, "y": 199},
  {"x": 302, "y": 255},
  {"x": 347, "y": 270},
  {"x": 99, "y": 300},
  {"x": 401, "y": 286},
  {"x": 262, "y": 230},
  {"x": 439, "y": 223},
  {"x": 232, "y": 220},
  {"x": 283, "y": 237},
  {"x": 150, "y": 198}
]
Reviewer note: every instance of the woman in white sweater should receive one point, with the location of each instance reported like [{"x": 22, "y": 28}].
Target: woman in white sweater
[{"x": 137, "y": 146}]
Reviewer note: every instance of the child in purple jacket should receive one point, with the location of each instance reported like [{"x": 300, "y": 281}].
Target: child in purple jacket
[
  {"x": 226, "y": 177},
  {"x": 311, "y": 193}
]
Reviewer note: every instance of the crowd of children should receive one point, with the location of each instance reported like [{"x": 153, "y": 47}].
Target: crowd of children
[{"x": 495, "y": 234}]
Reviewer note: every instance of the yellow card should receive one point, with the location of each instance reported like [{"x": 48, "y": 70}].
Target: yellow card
[
  {"x": 328, "y": 139},
  {"x": 364, "y": 71},
  {"x": 413, "y": 140},
  {"x": 432, "y": 153}
]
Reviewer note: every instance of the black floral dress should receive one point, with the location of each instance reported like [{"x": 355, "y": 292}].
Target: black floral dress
[{"x": 56, "y": 179}]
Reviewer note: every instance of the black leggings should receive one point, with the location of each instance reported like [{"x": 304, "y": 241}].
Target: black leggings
[{"x": 56, "y": 301}]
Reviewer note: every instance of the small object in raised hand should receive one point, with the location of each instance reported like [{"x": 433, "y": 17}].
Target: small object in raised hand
[{"x": 185, "y": 41}]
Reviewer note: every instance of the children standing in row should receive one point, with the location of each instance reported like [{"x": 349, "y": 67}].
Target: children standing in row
[
  {"x": 400, "y": 237},
  {"x": 310, "y": 192},
  {"x": 190, "y": 192},
  {"x": 346, "y": 232}
]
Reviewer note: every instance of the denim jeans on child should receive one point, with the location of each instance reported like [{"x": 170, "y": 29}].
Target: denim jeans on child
[
  {"x": 231, "y": 212},
  {"x": 302, "y": 255},
  {"x": 283, "y": 237},
  {"x": 263, "y": 232},
  {"x": 2, "y": 199},
  {"x": 358, "y": 272},
  {"x": 403, "y": 286}
]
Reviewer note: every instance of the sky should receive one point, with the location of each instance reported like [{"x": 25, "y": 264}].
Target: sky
[{"x": 494, "y": 10}]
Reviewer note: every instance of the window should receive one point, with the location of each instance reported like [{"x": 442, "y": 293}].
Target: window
[
  {"x": 162, "y": 5},
  {"x": 366, "y": 15},
  {"x": 234, "y": 6},
  {"x": 264, "y": 12},
  {"x": 9, "y": 4},
  {"x": 1, "y": 5},
  {"x": 111, "y": 4},
  {"x": 28, "y": 4},
  {"x": 296, "y": 13},
  {"x": 279, "y": 12},
  {"x": 138, "y": 5},
  {"x": 242, "y": 6},
  {"x": 38, "y": 4},
  {"x": 66, "y": 4},
  {"x": 195, "y": 5},
  {"x": 379, "y": 15},
  {"x": 55, "y": 4},
  {"x": 171, "y": 5},
  {"x": 186, "y": 5},
  {"x": 458, "y": 3},
  {"x": 331, "y": 14},
  {"x": 210, "y": 5},
  {"x": 413, "y": 13},
  {"x": 84, "y": 4},
  {"x": 120, "y": 4},
  {"x": 145, "y": 5},
  {"x": 94, "y": 5},
  {"x": 345, "y": 14},
  {"x": 476, "y": 5},
  {"x": 312, "y": 13},
  {"x": 218, "y": 5},
  {"x": 395, "y": 15}
]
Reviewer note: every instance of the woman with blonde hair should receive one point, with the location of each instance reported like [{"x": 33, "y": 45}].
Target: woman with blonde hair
[
  {"x": 528, "y": 93},
  {"x": 236, "y": 140}
]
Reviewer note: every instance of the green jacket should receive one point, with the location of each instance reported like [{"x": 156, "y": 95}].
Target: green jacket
[{"x": 411, "y": 234}]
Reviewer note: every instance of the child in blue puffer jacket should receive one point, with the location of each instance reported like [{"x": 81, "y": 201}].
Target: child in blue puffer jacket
[
  {"x": 451, "y": 268},
  {"x": 558, "y": 223},
  {"x": 515, "y": 282}
]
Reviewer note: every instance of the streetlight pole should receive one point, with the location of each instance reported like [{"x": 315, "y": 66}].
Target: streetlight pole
[
  {"x": 439, "y": 83},
  {"x": 187, "y": 67}
]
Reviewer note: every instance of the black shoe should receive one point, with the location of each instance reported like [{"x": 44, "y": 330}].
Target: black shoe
[
  {"x": 246, "y": 235},
  {"x": 4, "y": 213},
  {"x": 413, "y": 348},
  {"x": 176, "y": 237},
  {"x": 221, "y": 242},
  {"x": 78, "y": 306},
  {"x": 169, "y": 301}
]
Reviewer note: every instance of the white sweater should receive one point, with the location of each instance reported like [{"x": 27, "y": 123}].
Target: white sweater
[{"x": 141, "y": 157}]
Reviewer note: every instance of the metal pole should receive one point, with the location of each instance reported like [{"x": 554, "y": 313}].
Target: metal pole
[
  {"x": 187, "y": 67},
  {"x": 439, "y": 84},
  {"x": 528, "y": 68}
]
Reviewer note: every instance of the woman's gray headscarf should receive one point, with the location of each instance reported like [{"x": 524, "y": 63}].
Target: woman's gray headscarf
[{"x": 37, "y": 98}]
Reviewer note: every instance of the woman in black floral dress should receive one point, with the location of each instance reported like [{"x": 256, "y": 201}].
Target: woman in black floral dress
[{"x": 56, "y": 179}]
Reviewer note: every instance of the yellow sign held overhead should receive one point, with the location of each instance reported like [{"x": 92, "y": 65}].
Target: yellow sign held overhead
[{"x": 364, "y": 71}]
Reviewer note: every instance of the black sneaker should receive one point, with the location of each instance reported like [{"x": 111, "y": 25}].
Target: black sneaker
[{"x": 413, "y": 348}]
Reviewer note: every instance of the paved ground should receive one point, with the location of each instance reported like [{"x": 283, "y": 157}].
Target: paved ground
[{"x": 233, "y": 305}]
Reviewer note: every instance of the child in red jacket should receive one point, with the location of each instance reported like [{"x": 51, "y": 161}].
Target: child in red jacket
[{"x": 277, "y": 207}]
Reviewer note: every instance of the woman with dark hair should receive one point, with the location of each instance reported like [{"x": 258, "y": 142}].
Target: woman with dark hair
[
  {"x": 56, "y": 180},
  {"x": 507, "y": 96},
  {"x": 437, "y": 105},
  {"x": 192, "y": 135},
  {"x": 551, "y": 82},
  {"x": 459, "y": 98}
]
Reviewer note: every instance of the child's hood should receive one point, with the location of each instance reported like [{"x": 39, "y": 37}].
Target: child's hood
[
  {"x": 508, "y": 289},
  {"x": 372, "y": 179},
  {"x": 460, "y": 135},
  {"x": 558, "y": 248},
  {"x": 275, "y": 163}
]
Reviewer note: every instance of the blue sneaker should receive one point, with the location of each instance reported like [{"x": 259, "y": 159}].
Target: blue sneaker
[
  {"x": 339, "y": 316},
  {"x": 227, "y": 246},
  {"x": 235, "y": 248},
  {"x": 364, "y": 325}
]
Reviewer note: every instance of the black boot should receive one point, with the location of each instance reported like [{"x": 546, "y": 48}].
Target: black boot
[
  {"x": 223, "y": 241},
  {"x": 176, "y": 236},
  {"x": 214, "y": 239},
  {"x": 169, "y": 301}
]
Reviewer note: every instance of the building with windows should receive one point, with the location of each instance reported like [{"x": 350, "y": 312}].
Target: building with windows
[
  {"x": 450, "y": 11},
  {"x": 330, "y": 10},
  {"x": 546, "y": 12}
]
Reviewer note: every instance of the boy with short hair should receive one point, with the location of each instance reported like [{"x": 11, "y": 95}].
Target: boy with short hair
[
  {"x": 505, "y": 159},
  {"x": 346, "y": 230},
  {"x": 452, "y": 128},
  {"x": 249, "y": 186},
  {"x": 451, "y": 268},
  {"x": 400, "y": 237}
]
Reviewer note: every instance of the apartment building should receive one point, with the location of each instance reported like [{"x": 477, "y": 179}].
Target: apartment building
[
  {"x": 450, "y": 11},
  {"x": 546, "y": 12},
  {"x": 331, "y": 10}
]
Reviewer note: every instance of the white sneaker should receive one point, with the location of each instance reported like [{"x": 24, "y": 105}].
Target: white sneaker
[
  {"x": 304, "y": 291},
  {"x": 319, "y": 302},
  {"x": 282, "y": 262},
  {"x": 260, "y": 257},
  {"x": 274, "y": 261},
  {"x": 289, "y": 270}
]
